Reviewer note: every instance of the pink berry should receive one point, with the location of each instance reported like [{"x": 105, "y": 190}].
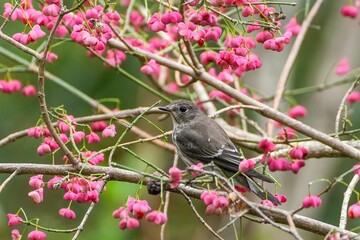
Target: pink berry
[
  {"x": 37, "y": 195},
  {"x": 356, "y": 169},
  {"x": 121, "y": 213},
  {"x": 293, "y": 26},
  {"x": 296, "y": 165},
  {"x": 266, "y": 145},
  {"x": 171, "y": 17},
  {"x": 129, "y": 223},
  {"x": 353, "y": 97},
  {"x": 67, "y": 213},
  {"x": 278, "y": 164},
  {"x": 267, "y": 203},
  {"x": 155, "y": 23},
  {"x": 36, "y": 181},
  {"x": 354, "y": 210},
  {"x": 78, "y": 136},
  {"x": 349, "y": 11},
  {"x": 29, "y": 90},
  {"x": 198, "y": 167},
  {"x": 298, "y": 152},
  {"x": 246, "y": 165},
  {"x": 208, "y": 197},
  {"x": 109, "y": 131},
  {"x": 13, "y": 219},
  {"x": 156, "y": 217},
  {"x": 93, "y": 138},
  {"x": 342, "y": 67},
  {"x": 221, "y": 202},
  {"x": 311, "y": 201},
  {"x": 43, "y": 149},
  {"x": 281, "y": 197},
  {"x": 175, "y": 177},
  {"x": 298, "y": 112},
  {"x": 15, "y": 234},
  {"x": 36, "y": 235},
  {"x": 98, "y": 126}
]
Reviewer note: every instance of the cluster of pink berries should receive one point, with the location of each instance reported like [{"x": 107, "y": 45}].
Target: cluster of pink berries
[
  {"x": 134, "y": 211},
  {"x": 13, "y": 220},
  {"x": 36, "y": 182},
  {"x": 76, "y": 189},
  {"x": 49, "y": 145},
  {"x": 296, "y": 154},
  {"x": 15, "y": 85},
  {"x": 201, "y": 25},
  {"x": 216, "y": 204},
  {"x": 90, "y": 29}
]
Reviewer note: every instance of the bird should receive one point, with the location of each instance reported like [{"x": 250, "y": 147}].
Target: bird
[{"x": 199, "y": 138}]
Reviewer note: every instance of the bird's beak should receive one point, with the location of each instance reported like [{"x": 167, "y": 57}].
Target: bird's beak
[{"x": 166, "y": 109}]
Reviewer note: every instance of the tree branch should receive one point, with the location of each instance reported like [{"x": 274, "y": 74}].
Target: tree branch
[{"x": 115, "y": 174}]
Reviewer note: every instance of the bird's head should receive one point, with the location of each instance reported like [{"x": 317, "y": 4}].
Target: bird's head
[{"x": 182, "y": 111}]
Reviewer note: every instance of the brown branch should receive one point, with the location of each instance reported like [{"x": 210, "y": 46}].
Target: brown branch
[
  {"x": 115, "y": 174},
  {"x": 41, "y": 92},
  {"x": 242, "y": 138},
  {"x": 302, "y": 222}
]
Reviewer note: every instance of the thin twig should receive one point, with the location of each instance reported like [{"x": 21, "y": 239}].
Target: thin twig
[
  {"x": 20, "y": 46},
  {"x": 342, "y": 105},
  {"x": 91, "y": 207},
  {"x": 41, "y": 91},
  {"x": 167, "y": 201},
  {"x": 198, "y": 215},
  {"x": 128, "y": 128},
  {"x": 345, "y": 203},
  {"x": 8, "y": 179},
  {"x": 330, "y": 185},
  {"x": 291, "y": 59},
  {"x": 292, "y": 227}
]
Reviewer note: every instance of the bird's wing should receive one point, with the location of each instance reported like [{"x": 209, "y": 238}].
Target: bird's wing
[
  {"x": 210, "y": 143},
  {"x": 207, "y": 142}
]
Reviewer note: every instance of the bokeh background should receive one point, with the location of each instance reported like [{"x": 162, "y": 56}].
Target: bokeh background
[{"x": 330, "y": 38}]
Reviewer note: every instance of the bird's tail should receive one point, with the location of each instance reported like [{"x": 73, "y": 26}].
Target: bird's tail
[
  {"x": 261, "y": 193},
  {"x": 254, "y": 187}
]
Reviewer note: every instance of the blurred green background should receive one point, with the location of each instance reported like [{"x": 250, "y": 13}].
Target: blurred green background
[{"x": 330, "y": 38}]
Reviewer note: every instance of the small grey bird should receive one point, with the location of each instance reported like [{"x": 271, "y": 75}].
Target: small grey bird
[{"x": 199, "y": 138}]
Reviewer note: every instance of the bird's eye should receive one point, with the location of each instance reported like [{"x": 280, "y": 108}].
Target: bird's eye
[{"x": 183, "y": 109}]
